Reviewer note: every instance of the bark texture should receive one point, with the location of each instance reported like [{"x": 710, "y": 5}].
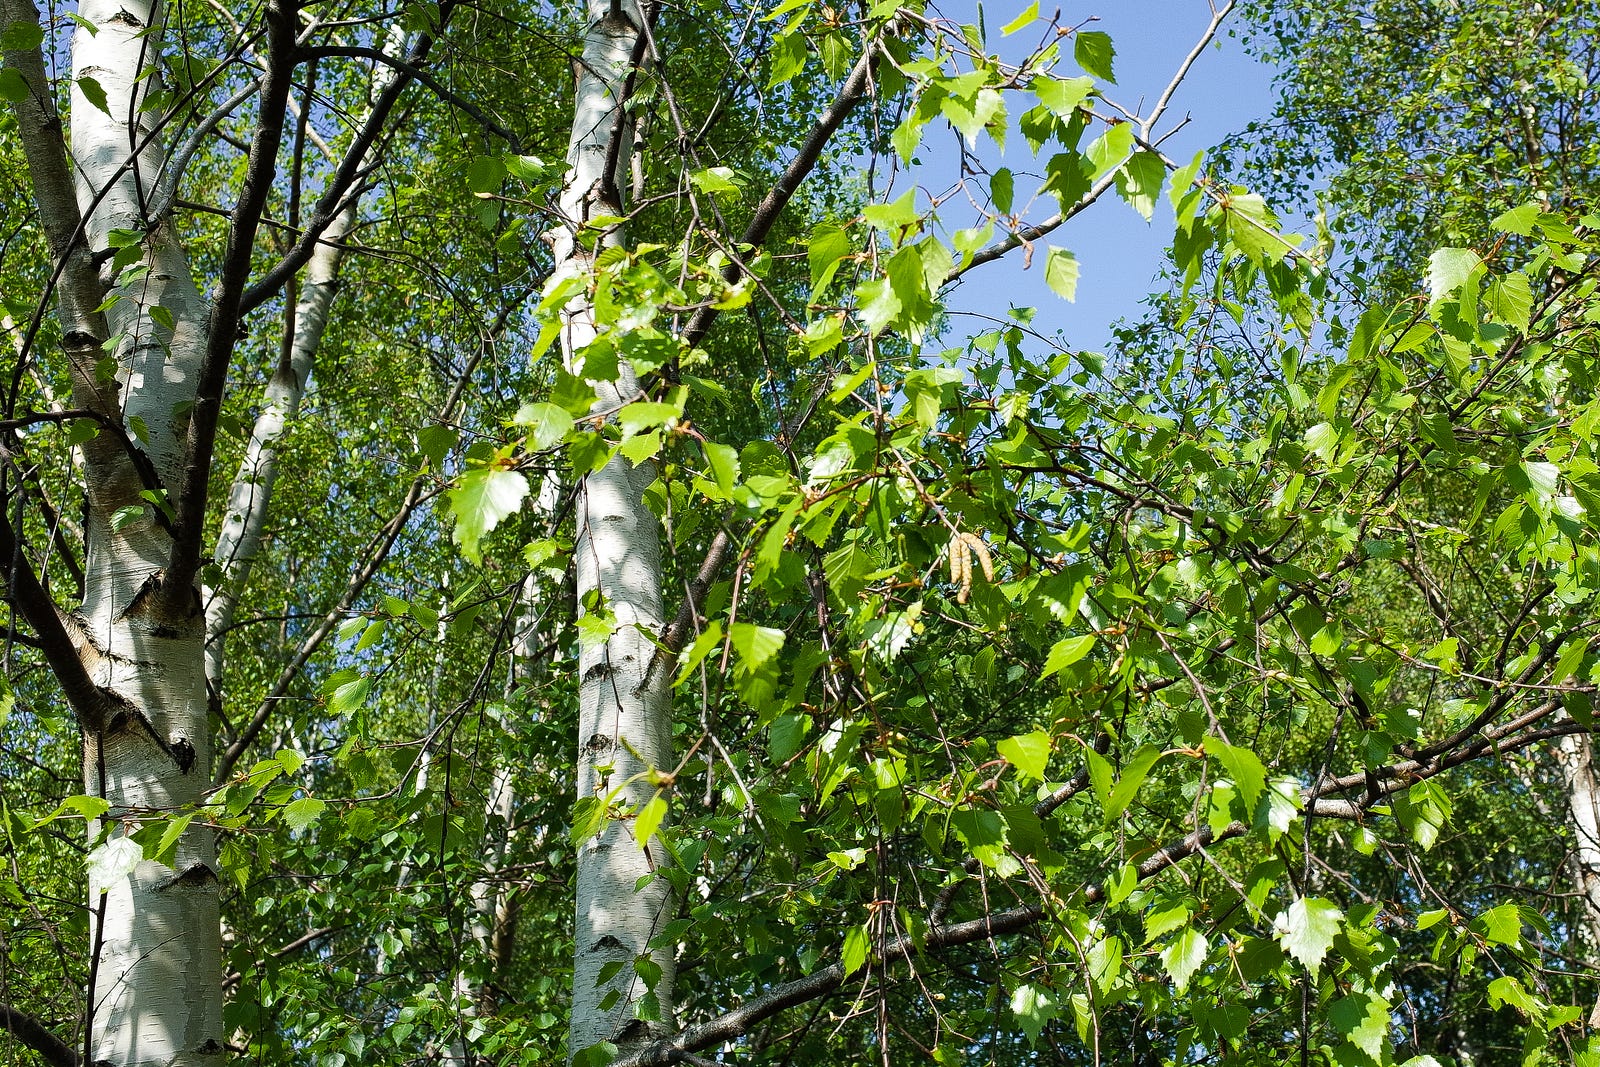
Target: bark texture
[
  {"x": 624, "y": 713},
  {"x": 155, "y": 997},
  {"x": 1575, "y": 754}
]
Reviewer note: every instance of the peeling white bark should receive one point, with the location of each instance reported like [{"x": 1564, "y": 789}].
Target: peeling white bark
[{"x": 624, "y": 720}]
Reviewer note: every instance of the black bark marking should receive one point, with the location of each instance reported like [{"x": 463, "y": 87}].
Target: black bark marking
[{"x": 197, "y": 874}]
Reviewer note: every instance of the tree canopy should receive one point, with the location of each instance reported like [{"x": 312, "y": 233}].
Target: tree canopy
[{"x": 507, "y": 558}]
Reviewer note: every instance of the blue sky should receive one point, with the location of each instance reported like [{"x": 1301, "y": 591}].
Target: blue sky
[{"x": 1119, "y": 253}]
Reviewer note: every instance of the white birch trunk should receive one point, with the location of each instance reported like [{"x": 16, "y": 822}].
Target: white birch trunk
[
  {"x": 624, "y": 721},
  {"x": 156, "y": 997},
  {"x": 1575, "y": 754}
]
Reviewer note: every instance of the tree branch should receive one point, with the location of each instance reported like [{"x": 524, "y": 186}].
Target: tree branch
[
  {"x": 443, "y": 92},
  {"x": 771, "y": 207},
  {"x": 1029, "y": 234},
  {"x": 58, "y": 635},
  {"x": 176, "y": 593},
  {"x": 167, "y": 191},
  {"x": 377, "y": 551},
  {"x": 32, "y": 1032},
  {"x": 682, "y": 626},
  {"x": 331, "y": 203},
  {"x": 39, "y": 130},
  {"x": 737, "y": 1022}
]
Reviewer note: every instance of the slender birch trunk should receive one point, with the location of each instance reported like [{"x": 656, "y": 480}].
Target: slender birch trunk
[
  {"x": 624, "y": 716},
  {"x": 1575, "y": 755},
  {"x": 239, "y": 540}
]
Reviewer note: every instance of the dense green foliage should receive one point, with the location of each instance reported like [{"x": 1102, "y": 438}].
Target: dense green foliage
[{"x": 1203, "y": 700}]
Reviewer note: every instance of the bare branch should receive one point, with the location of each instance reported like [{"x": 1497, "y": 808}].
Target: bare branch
[{"x": 59, "y": 637}]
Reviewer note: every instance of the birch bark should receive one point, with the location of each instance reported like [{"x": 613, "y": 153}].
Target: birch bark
[
  {"x": 155, "y": 997},
  {"x": 1575, "y": 755},
  {"x": 624, "y": 717}
]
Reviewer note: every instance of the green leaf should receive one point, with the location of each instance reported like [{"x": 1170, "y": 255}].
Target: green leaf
[
  {"x": 1506, "y": 990},
  {"x": 1028, "y": 753},
  {"x": 1092, "y": 49},
  {"x": 754, "y": 644},
  {"x": 435, "y": 443},
  {"x": 26, "y": 35},
  {"x": 1022, "y": 21},
  {"x": 94, "y": 93},
  {"x": 1002, "y": 190},
  {"x": 550, "y": 423},
  {"x": 1062, "y": 96},
  {"x": 589, "y": 820},
  {"x": 876, "y": 304},
  {"x": 828, "y": 245},
  {"x": 530, "y": 170},
  {"x": 1423, "y": 810},
  {"x": 1449, "y": 269},
  {"x": 1243, "y": 766},
  {"x": 165, "y": 850},
  {"x": 1501, "y": 925},
  {"x": 715, "y": 180},
  {"x": 12, "y": 86},
  {"x": 723, "y": 461},
  {"x": 857, "y": 946},
  {"x": 710, "y": 638},
  {"x": 1139, "y": 181},
  {"x": 1034, "y": 1006},
  {"x": 112, "y": 861},
  {"x": 649, "y": 819},
  {"x": 1184, "y": 956},
  {"x": 1306, "y": 930},
  {"x": 642, "y": 415},
  {"x": 1061, "y": 272},
  {"x": 1065, "y": 653},
  {"x": 1183, "y": 179},
  {"x": 1510, "y": 300},
  {"x": 299, "y": 814},
  {"x": 1108, "y": 151},
  {"x": 484, "y": 497},
  {"x": 786, "y": 57},
  {"x": 350, "y": 696},
  {"x": 971, "y": 114},
  {"x": 1364, "y": 1021},
  {"x": 485, "y": 174},
  {"x": 899, "y": 212},
  {"x": 125, "y": 516},
  {"x": 1134, "y": 772},
  {"x": 1519, "y": 220}
]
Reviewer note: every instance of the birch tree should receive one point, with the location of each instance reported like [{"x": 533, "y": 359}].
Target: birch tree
[{"x": 148, "y": 359}]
